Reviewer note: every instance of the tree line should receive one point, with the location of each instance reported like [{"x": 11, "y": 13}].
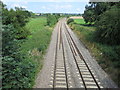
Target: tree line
[
  {"x": 106, "y": 17},
  {"x": 17, "y": 68}
]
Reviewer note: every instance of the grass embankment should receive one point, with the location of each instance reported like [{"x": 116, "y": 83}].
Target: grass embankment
[
  {"x": 37, "y": 43},
  {"x": 107, "y": 56}
]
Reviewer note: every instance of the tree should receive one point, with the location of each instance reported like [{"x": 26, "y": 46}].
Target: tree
[
  {"x": 51, "y": 20},
  {"x": 92, "y": 12},
  {"x": 108, "y": 30},
  {"x": 70, "y": 20},
  {"x": 18, "y": 18},
  {"x": 17, "y": 69}
]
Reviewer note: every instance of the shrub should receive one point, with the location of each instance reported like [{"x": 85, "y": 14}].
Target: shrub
[
  {"x": 70, "y": 20},
  {"x": 17, "y": 69},
  {"x": 22, "y": 33},
  {"x": 17, "y": 74},
  {"x": 51, "y": 20}
]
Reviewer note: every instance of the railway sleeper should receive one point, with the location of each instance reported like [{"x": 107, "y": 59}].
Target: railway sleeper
[
  {"x": 61, "y": 79},
  {"x": 60, "y": 82},
  {"x": 63, "y": 73},
  {"x": 60, "y": 86}
]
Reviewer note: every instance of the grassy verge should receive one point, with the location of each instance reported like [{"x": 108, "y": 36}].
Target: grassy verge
[
  {"x": 36, "y": 44},
  {"x": 107, "y": 56},
  {"x": 79, "y": 21}
]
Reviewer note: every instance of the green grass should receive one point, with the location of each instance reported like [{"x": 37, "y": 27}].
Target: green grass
[
  {"x": 79, "y": 21},
  {"x": 36, "y": 24},
  {"x": 107, "y": 56},
  {"x": 35, "y": 46}
]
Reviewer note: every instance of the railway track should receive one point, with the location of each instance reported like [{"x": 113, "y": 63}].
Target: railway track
[{"x": 60, "y": 74}]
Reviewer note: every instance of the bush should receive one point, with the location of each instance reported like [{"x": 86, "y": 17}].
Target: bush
[
  {"x": 22, "y": 33},
  {"x": 51, "y": 20},
  {"x": 17, "y": 69},
  {"x": 70, "y": 20},
  {"x": 108, "y": 30},
  {"x": 17, "y": 74}
]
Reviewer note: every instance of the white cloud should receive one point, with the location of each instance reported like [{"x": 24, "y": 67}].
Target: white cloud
[
  {"x": 15, "y": 5},
  {"x": 78, "y": 9},
  {"x": 57, "y": 7},
  {"x": 18, "y": 5},
  {"x": 24, "y": 7},
  {"x": 43, "y": 7}
]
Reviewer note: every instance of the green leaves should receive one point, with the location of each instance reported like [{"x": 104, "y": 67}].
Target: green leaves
[
  {"x": 17, "y": 74},
  {"x": 52, "y": 19},
  {"x": 70, "y": 20},
  {"x": 18, "y": 69},
  {"x": 108, "y": 30}
]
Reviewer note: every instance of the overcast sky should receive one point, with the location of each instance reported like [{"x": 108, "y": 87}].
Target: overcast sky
[{"x": 49, "y": 6}]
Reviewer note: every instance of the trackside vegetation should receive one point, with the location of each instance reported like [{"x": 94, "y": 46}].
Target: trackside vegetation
[
  {"x": 100, "y": 31},
  {"x": 36, "y": 44},
  {"x": 25, "y": 38},
  {"x": 52, "y": 19},
  {"x": 105, "y": 15},
  {"x": 106, "y": 55},
  {"x": 17, "y": 68}
]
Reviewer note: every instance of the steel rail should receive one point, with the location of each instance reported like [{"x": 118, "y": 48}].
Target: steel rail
[
  {"x": 80, "y": 55},
  {"x": 54, "y": 79},
  {"x": 64, "y": 59},
  {"x": 75, "y": 60}
]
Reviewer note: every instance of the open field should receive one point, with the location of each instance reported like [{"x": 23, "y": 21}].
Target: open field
[
  {"x": 79, "y": 21},
  {"x": 36, "y": 24}
]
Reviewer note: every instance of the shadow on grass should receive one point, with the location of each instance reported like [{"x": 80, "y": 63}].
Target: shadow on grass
[{"x": 87, "y": 25}]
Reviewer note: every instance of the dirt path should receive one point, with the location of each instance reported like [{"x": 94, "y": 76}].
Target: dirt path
[{"x": 68, "y": 64}]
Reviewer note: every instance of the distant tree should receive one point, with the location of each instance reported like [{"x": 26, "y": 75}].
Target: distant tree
[
  {"x": 51, "y": 19},
  {"x": 70, "y": 20}
]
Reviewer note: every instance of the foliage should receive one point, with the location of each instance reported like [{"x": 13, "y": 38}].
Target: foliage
[
  {"x": 105, "y": 15},
  {"x": 92, "y": 12},
  {"x": 17, "y": 74},
  {"x": 108, "y": 30},
  {"x": 51, "y": 20},
  {"x": 70, "y": 20},
  {"x": 18, "y": 18},
  {"x": 17, "y": 68},
  {"x": 36, "y": 44},
  {"x": 8, "y": 40},
  {"x": 89, "y": 16},
  {"x": 106, "y": 55},
  {"x": 19, "y": 62}
]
